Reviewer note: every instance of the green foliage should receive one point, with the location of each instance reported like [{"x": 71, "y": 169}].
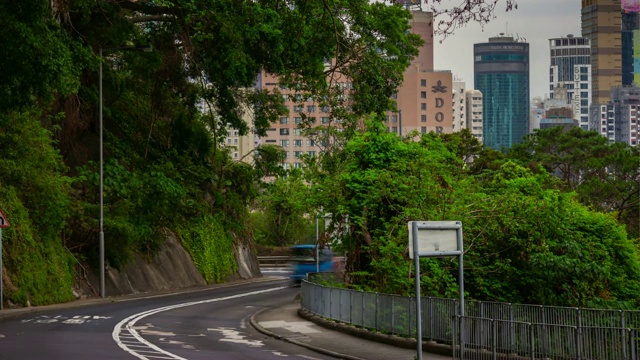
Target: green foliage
[
  {"x": 137, "y": 205},
  {"x": 526, "y": 240},
  {"x": 605, "y": 176},
  {"x": 281, "y": 215},
  {"x": 38, "y": 61},
  {"x": 35, "y": 199},
  {"x": 211, "y": 248}
]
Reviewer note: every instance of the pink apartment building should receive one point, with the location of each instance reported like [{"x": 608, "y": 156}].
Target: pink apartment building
[{"x": 424, "y": 102}]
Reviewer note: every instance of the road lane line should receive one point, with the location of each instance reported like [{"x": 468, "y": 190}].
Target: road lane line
[{"x": 128, "y": 324}]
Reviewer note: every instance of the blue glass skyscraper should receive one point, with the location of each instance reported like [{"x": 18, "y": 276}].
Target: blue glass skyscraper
[{"x": 501, "y": 73}]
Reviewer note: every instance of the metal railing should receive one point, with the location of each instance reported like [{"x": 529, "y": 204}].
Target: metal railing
[
  {"x": 490, "y": 330},
  {"x": 274, "y": 261}
]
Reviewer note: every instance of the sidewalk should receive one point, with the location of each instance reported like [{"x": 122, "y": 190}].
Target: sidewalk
[{"x": 289, "y": 323}]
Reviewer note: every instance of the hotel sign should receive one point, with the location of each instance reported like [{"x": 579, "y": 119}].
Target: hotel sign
[
  {"x": 507, "y": 47},
  {"x": 439, "y": 88}
]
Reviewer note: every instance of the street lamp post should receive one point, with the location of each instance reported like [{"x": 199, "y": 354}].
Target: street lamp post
[{"x": 146, "y": 48}]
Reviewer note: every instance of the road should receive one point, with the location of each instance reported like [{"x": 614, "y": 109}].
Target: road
[{"x": 204, "y": 324}]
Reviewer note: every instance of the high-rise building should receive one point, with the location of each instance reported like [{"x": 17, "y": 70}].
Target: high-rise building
[
  {"x": 424, "y": 97},
  {"x": 601, "y": 24},
  {"x": 571, "y": 68},
  {"x": 630, "y": 46},
  {"x": 501, "y": 73},
  {"x": 474, "y": 113},
  {"x": 459, "y": 105},
  {"x": 618, "y": 119}
]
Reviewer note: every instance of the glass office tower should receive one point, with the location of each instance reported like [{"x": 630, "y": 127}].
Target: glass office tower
[{"x": 501, "y": 73}]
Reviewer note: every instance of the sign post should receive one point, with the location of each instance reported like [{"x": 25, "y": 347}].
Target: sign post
[
  {"x": 4, "y": 223},
  {"x": 435, "y": 239}
]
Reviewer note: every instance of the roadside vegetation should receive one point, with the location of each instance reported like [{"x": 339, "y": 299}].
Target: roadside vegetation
[{"x": 552, "y": 221}]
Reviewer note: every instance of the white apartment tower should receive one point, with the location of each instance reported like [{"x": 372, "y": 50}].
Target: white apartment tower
[
  {"x": 459, "y": 105},
  {"x": 473, "y": 100},
  {"x": 571, "y": 68}
]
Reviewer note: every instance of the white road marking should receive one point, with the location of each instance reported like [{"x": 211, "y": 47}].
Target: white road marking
[
  {"x": 128, "y": 324},
  {"x": 293, "y": 326},
  {"x": 234, "y": 336},
  {"x": 74, "y": 320}
]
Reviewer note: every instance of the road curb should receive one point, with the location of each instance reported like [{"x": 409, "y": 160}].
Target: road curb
[{"x": 256, "y": 325}]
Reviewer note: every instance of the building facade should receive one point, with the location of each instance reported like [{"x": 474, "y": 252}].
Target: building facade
[
  {"x": 424, "y": 98},
  {"x": 617, "y": 120},
  {"x": 630, "y": 46},
  {"x": 570, "y": 68},
  {"x": 459, "y": 105},
  {"x": 473, "y": 99},
  {"x": 501, "y": 73},
  {"x": 601, "y": 24}
]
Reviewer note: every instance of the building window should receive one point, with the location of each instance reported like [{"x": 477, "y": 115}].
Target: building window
[
  {"x": 297, "y": 143},
  {"x": 297, "y": 120},
  {"x": 311, "y": 143},
  {"x": 298, "y": 108},
  {"x": 235, "y": 141},
  {"x": 423, "y": 82},
  {"x": 325, "y": 120},
  {"x": 423, "y": 129},
  {"x": 394, "y": 129},
  {"x": 284, "y": 131},
  {"x": 297, "y": 154},
  {"x": 297, "y": 132},
  {"x": 324, "y": 109},
  {"x": 311, "y": 153},
  {"x": 423, "y": 106},
  {"x": 235, "y": 155},
  {"x": 311, "y": 108},
  {"x": 584, "y": 86},
  {"x": 284, "y": 143},
  {"x": 285, "y": 97},
  {"x": 423, "y": 118},
  {"x": 284, "y": 120},
  {"x": 394, "y": 118},
  {"x": 423, "y": 94}
]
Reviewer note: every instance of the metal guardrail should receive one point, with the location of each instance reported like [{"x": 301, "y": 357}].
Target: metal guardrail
[
  {"x": 490, "y": 330},
  {"x": 273, "y": 261}
]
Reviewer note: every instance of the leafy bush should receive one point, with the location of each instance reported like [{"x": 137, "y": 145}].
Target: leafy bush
[
  {"x": 35, "y": 198},
  {"x": 211, "y": 248}
]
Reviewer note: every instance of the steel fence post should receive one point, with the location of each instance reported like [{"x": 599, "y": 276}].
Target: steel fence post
[
  {"x": 579, "y": 336},
  {"x": 393, "y": 313},
  {"x": 633, "y": 346},
  {"x": 376, "y": 312},
  {"x": 494, "y": 339},
  {"x": 512, "y": 329},
  {"x": 363, "y": 322},
  {"x": 532, "y": 343},
  {"x": 624, "y": 335}
]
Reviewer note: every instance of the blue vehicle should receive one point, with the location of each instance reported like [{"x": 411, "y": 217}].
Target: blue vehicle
[{"x": 303, "y": 261}]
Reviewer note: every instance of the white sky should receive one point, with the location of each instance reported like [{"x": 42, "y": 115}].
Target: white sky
[{"x": 535, "y": 20}]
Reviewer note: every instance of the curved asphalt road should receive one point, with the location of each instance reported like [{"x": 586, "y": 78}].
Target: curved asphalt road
[{"x": 204, "y": 324}]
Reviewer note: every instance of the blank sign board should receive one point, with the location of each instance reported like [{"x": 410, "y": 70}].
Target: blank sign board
[{"x": 435, "y": 238}]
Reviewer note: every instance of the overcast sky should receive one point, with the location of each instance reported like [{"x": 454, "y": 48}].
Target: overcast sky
[{"x": 535, "y": 20}]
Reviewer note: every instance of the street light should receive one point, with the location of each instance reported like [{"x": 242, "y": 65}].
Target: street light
[{"x": 146, "y": 48}]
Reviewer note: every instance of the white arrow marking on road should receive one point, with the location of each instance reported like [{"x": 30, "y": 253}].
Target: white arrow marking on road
[{"x": 128, "y": 324}]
